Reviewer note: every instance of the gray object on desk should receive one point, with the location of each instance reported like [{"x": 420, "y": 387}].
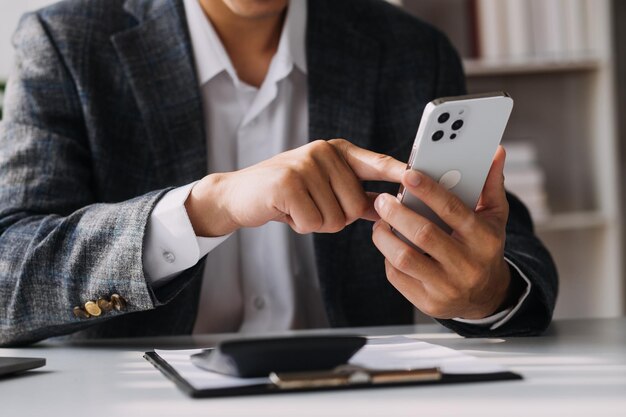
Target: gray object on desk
[{"x": 11, "y": 366}]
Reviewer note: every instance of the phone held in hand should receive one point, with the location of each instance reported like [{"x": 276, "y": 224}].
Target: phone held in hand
[{"x": 455, "y": 144}]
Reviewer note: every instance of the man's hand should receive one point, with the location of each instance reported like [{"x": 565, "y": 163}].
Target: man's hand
[
  {"x": 314, "y": 188},
  {"x": 464, "y": 274}
]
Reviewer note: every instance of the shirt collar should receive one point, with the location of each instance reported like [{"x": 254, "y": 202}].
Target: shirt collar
[
  {"x": 295, "y": 33},
  {"x": 211, "y": 57}
]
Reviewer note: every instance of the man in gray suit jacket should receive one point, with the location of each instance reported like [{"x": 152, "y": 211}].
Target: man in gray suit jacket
[{"x": 105, "y": 121}]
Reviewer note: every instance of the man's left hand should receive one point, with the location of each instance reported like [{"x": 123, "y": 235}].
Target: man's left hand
[{"x": 464, "y": 274}]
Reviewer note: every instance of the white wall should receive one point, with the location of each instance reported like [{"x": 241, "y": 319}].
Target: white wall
[{"x": 10, "y": 13}]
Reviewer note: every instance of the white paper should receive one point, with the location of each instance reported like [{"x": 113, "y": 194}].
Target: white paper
[
  {"x": 405, "y": 353},
  {"x": 200, "y": 378},
  {"x": 396, "y": 352}
]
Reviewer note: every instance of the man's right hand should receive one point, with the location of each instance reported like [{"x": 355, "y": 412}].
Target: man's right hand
[{"x": 314, "y": 188}]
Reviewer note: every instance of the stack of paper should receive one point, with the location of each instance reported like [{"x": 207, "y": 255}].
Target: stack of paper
[{"x": 524, "y": 178}]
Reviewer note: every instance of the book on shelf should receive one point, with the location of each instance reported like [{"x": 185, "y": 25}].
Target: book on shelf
[
  {"x": 511, "y": 29},
  {"x": 517, "y": 21},
  {"x": 576, "y": 29},
  {"x": 492, "y": 36},
  {"x": 545, "y": 28}
]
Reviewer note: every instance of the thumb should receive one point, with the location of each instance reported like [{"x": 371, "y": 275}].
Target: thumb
[{"x": 493, "y": 196}]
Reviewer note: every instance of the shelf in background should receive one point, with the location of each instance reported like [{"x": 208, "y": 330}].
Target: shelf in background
[
  {"x": 572, "y": 221},
  {"x": 532, "y": 65}
]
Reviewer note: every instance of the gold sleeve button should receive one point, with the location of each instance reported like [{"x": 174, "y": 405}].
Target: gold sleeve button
[
  {"x": 92, "y": 308},
  {"x": 105, "y": 305},
  {"x": 80, "y": 313},
  {"x": 118, "y": 302}
]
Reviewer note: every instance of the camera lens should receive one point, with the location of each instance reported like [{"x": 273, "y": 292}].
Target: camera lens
[
  {"x": 443, "y": 117},
  {"x": 453, "y": 136},
  {"x": 437, "y": 135},
  {"x": 457, "y": 125}
]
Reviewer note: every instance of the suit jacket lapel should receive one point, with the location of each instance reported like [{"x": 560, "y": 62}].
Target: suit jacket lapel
[
  {"x": 157, "y": 58},
  {"x": 342, "y": 75},
  {"x": 342, "y": 66}
]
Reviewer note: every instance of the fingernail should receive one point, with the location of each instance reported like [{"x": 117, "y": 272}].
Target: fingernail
[
  {"x": 413, "y": 178},
  {"x": 379, "y": 203}
]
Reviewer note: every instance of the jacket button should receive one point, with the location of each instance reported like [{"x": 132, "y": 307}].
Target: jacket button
[
  {"x": 80, "y": 313},
  {"x": 118, "y": 302},
  {"x": 105, "y": 305},
  {"x": 92, "y": 308}
]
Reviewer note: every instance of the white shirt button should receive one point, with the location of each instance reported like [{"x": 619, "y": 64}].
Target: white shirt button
[
  {"x": 259, "y": 302},
  {"x": 169, "y": 257}
]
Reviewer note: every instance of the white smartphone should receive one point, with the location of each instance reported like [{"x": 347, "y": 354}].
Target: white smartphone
[{"x": 455, "y": 144}]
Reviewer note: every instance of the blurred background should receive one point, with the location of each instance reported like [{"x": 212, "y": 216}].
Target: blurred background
[{"x": 562, "y": 62}]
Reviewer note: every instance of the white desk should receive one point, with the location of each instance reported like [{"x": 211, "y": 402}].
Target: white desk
[{"x": 577, "y": 369}]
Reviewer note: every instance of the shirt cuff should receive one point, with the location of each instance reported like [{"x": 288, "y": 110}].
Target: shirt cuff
[
  {"x": 502, "y": 317},
  {"x": 171, "y": 246}
]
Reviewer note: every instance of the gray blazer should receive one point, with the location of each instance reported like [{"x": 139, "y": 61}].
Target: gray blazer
[{"x": 103, "y": 116}]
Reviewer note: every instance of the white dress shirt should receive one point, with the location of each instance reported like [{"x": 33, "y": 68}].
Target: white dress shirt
[{"x": 256, "y": 279}]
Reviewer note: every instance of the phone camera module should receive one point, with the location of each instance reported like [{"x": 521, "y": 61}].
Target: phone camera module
[
  {"x": 437, "y": 135},
  {"x": 457, "y": 125},
  {"x": 443, "y": 117}
]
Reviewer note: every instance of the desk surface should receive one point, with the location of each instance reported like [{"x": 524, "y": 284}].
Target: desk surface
[{"x": 577, "y": 368}]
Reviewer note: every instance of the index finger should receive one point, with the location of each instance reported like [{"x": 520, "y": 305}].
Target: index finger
[{"x": 368, "y": 165}]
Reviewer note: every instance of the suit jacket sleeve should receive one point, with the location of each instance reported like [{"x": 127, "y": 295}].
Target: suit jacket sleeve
[
  {"x": 522, "y": 247},
  {"x": 59, "y": 247}
]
